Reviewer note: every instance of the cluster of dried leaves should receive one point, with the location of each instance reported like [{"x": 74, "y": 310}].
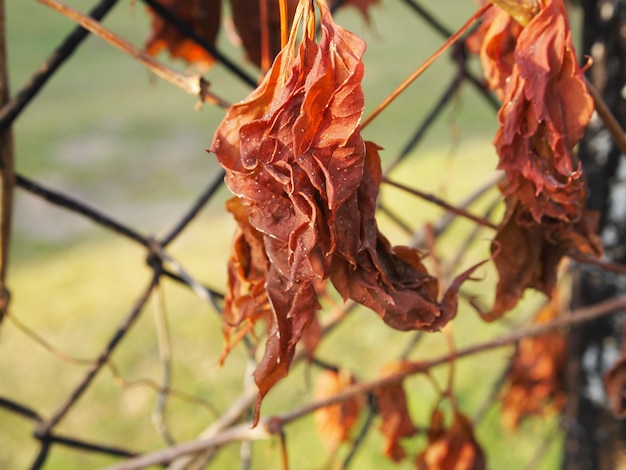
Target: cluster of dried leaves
[
  {"x": 545, "y": 109},
  {"x": 306, "y": 184}
]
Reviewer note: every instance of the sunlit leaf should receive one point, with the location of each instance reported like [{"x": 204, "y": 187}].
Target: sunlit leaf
[
  {"x": 334, "y": 423},
  {"x": 202, "y": 16},
  {"x": 454, "y": 448}
]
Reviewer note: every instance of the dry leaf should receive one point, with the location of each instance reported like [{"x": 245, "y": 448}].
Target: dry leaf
[
  {"x": 535, "y": 381},
  {"x": 334, "y": 423},
  {"x": 396, "y": 423},
  {"x": 308, "y": 185},
  {"x": 545, "y": 110},
  {"x": 203, "y": 16},
  {"x": 454, "y": 448}
]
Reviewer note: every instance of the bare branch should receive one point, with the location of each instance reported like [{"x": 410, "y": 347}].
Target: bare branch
[{"x": 192, "y": 84}]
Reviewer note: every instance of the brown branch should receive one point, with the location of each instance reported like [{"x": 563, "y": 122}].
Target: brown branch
[
  {"x": 441, "y": 203},
  {"x": 11, "y": 110},
  {"x": 581, "y": 315},
  {"x": 7, "y": 175},
  {"x": 610, "y": 121},
  {"x": 192, "y": 84},
  {"x": 234, "y": 434},
  {"x": 267, "y": 426}
]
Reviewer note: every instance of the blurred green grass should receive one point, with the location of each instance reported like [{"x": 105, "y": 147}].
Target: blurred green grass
[{"x": 106, "y": 132}]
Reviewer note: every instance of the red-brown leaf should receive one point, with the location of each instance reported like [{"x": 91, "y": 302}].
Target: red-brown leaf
[
  {"x": 527, "y": 253},
  {"x": 534, "y": 383},
  {"x": 308, "y": 183},
  {"x": 545, "y": 109},
  {"x": 495, "y": 41},
  {"x": 203, "y": 16},
  {"x": 454, "y": 448},
  {"x": 246, "y": 300},
  {"x": 396, "y": 423}
]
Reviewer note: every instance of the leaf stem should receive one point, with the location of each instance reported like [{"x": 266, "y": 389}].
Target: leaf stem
[{"x": 422, "y": 68}]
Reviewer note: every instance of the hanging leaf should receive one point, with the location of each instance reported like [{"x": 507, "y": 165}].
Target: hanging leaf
[
  {"x": 527, "y": 254},
  {"x": 453, "y": 448},
  {"x": 292, "y": 154},
  {"x": 494, "y": 40},
  {"x": 334, "y": 423},
  {"x": 396, "y": 423},
  {"x": 202, "y": 16},
  {"x": 308, "y": 184},
  {"x": 246, "y": 301},
  {"x": 545, "y": 110},
  {"x": 534, "y": 384}
]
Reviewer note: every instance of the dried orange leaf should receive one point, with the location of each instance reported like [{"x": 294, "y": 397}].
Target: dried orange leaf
[
  {"x": 334, "y": 423},
  {"x": 203, "y": 16},
  {"x": 534, "y": 383},
  {"x": 454, "y": 448}
]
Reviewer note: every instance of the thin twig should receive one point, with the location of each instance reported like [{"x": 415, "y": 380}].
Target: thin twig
[
  {"x": 422, "y": 68},
  {"x": 122, "y": 383},
  {"x": 428, "y": 121},
  {"x": 441, "y": 203},
  {"x": 446, "y": 220},
  {"x": 240, "y": 406},
  {"x": 11, "y": 110},
  {"x": 578, "y": 316},
  {"x": 45, "y": 344},
  {"x": 478, "y": 83},
  {"x": 610, "y": 121},
  {"x": 163, "y": 341},
  {"x": 234, "y": 434},
  {"x": 193, "y": 84}
]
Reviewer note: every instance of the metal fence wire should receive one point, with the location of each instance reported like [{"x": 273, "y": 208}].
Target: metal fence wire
[{"x": 62, "y": 426}]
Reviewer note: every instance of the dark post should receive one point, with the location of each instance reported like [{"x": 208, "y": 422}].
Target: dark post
[{"x": 595, "y": 440}]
